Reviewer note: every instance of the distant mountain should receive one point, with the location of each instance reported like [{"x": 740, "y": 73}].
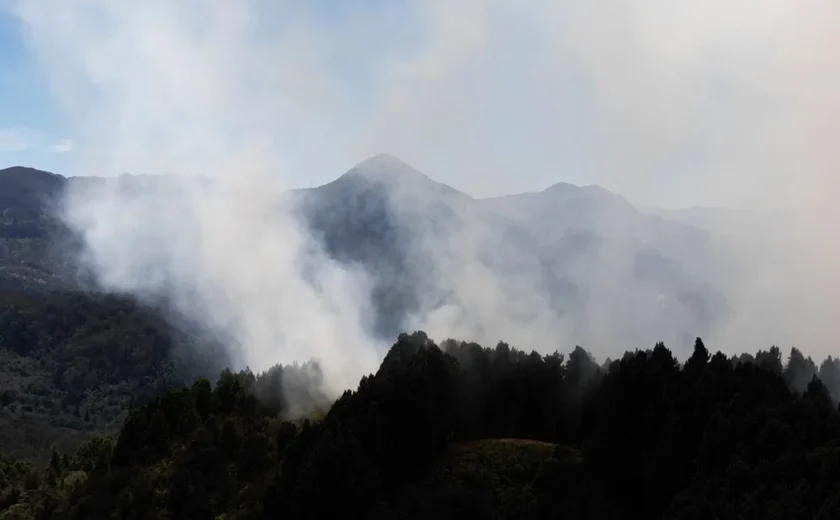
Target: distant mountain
[
  {"x": 564, "y": 208},
  {"x": 34, "y": 245},
  {"x": 639, "y": 267},
  {"x": 574, "y": 262},
  {"x": 415, "y": 236},
  {"x": 581, "y": 256},
  {"x": 25, "y": 197},
  {"x": 37, "y": 250}
]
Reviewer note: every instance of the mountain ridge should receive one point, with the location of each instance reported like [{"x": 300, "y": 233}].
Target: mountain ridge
[
  {"x": 422, "y": 240},
  {"x": 379, "y": 166}
]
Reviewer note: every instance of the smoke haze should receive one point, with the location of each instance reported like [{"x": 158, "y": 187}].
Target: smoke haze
[{"x": 669, "y": 104}]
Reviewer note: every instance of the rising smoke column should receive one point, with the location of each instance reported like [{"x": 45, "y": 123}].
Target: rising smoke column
[
  {"x": 176, "y": 87},
  {"x": 664, "y": 102}
]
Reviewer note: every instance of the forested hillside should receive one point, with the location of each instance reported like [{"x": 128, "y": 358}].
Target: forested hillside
[
  {"x": 71, "y": 364},
  {"x": 461, "y": 430},
  {"x": 36, "y": 252}
]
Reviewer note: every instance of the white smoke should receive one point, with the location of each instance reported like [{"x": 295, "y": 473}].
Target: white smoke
[
  {"x": 173, "y": 87},
  {"x": 667, "y": 103},
  {"x": 234, "y": 259}
]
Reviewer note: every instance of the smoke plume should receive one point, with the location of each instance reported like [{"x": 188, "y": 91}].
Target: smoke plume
[
  {"x": 669, "y": 104},
  {"x": 175, "y": 88}
]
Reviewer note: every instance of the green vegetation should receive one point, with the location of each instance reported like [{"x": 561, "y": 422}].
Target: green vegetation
[
  {"x": 35, "y": 247},
  {"x": 462, "y": 430},
  {"x": 71, "y": 365}
]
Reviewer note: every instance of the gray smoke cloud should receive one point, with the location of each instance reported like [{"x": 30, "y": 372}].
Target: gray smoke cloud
[
  {"x": 234, "y": 259},
  {"x": 176, "y": 88},
  {"x": 667, "y": 103}
]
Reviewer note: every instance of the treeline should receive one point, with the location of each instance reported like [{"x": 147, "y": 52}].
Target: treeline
[
  {"x": 799, "y": 370},
  {"x": 453, "y": 430}
]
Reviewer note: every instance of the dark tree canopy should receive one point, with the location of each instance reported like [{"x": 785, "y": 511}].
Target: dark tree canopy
[{"x": 460, "y": 429}]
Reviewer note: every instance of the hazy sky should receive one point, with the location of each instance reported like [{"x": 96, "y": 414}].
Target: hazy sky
[{"x": 668, "y": 103}]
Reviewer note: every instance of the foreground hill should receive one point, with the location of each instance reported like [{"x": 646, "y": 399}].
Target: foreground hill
[{"x": 463, "y": 431}]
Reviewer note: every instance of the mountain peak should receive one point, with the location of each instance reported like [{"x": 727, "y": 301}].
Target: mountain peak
[
  {"x": 382, "y": 160},
  {"x": 565, "y": 187},
  {"x": 386, "y": 167},
  {"x": 385, "y": 171},
  {"x": 561, "y": 186},
  {"x": 591, "y": 191}
]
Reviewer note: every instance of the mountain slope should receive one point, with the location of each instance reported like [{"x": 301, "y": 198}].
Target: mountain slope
[
  {"x": 563, "y": 208},
  {"x": 36, "y": 252},
  {"x": 633, "y": 269},
  {"x": 412, "y": 234},
  {"x": 559, "y": 263},
  {"x": 574, "y": 264}
]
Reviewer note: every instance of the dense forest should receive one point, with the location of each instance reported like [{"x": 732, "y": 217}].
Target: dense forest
[
  {"x": 439, "y": 430},
  {"x": 72, "y": 364}
]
